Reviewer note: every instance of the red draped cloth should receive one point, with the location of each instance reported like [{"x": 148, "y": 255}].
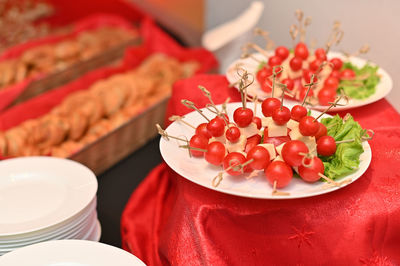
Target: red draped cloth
[{"x": 170, "y": 220}]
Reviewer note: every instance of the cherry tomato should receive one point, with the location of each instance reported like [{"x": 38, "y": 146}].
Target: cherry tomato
[
  {"x": 298, "y": 112},
  {"x": 322, "y": 131},
  {"x": 202, "y": 130},
  {"x": 308, "y": 126},
  {"x": 257, "y": 121},
  {"x": 320, "y": 54},
  {"x": 337, "y": 63},
  {"x": 198, "y": 141},
  {"x": 260, "y": 156},
  {"x": 263, "y": 74},
  {"x": 216, "y": 127},
  {"x": 215, "y": 153},
  {"x": 222, "y": 118},
  {"x": 325, "y": 96},
  {"x": 331, "y": 83},
  {"x": 252, "y": 142},
  {"x": 231, "y": 160},
  {"x": 279, "y": 172},
  {"x": 282, "y": 52},
  {"x": 301, "y": 50},
  {"x": 243, "y": 116},
  {"x": 311, "y": 173},
  {"x": 291, "y": 150},
  {"x": 307, "y": 75},
  {"x": 335, "y": 74},
  {"x": 274, "y": 61},
  {"x": 274, "y": 140},
  {"x": 269, "y": 105},
  {"x": 281, "y": 115},
  {"x": 266, "y": 85},
  {"x": 303, "y": 92},
  {"x": 314, "y": 65},
  {"x": 326, "y": 146},
  {"x": 289, "y": 83},
  {"x": 232, "y": 134},
  {"x": 296, "y": 63},
  {"x": 347, "y": 74}
]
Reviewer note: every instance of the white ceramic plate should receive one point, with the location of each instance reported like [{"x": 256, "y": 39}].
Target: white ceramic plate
[
  {"x": 69, "y": 252},
  {"x": 382, "y": 89},
  {"x": 40, "y": 192},
  {"x": 200, "y": 172}
]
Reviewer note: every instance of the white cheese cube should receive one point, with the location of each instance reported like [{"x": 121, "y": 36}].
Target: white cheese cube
[
  {"x": 275, "y": 130},
  {"x": 279, "y": 148},
  {"x": 270, "y": 148},
  {"x": 278, "y": 158},
  {"x": 295, "y": 134},
  {"x": 310, "y": 143},
  {"x": 265, "y": 121},
  {"x": 236, "y": 146},
  {"x": 292, "y": 124},
  {"x": 221, "y": 139},
  {"x": 249, "y": 131},
  {"x": 296, "y": 169}
]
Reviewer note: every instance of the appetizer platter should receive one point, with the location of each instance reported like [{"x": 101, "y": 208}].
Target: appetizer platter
[
  {"x": 337, "y": 73},
  {"x": 270, "y": 151}
]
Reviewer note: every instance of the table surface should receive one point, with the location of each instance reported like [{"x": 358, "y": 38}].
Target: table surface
[{"x": 117, "y": 184}]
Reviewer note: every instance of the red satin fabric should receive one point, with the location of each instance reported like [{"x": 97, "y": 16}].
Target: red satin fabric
[{"x": 170, "y": 220}]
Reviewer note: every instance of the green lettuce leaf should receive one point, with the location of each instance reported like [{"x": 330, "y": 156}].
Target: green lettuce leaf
[
  {"x": 261, "y": 65},
  {"x": 360, "y": 89},
  {"x": 347, "y": 157}
]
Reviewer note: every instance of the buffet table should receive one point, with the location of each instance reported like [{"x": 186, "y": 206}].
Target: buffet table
[{"x": 170, "y": 220}]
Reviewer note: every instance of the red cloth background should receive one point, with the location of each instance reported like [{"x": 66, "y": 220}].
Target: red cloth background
[{"x": 170, "y": 220}]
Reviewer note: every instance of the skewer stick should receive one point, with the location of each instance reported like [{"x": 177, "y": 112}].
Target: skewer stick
[
  {"x": 331, "y": 181},
  {"x": 334, "y": 104},
  {"x": 218, "y": 178},
  {"x": 312, "y": 83},
  {"x": 191, "y": 105},
  {"x": 165, "y": 135},
  {"x": 180, "y": 119},
  {"x": 275, "y": 192},
  {"x": 275, "y": 73}
]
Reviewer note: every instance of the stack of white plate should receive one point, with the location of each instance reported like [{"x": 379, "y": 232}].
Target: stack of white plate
[{"x": 45, "y": 198}]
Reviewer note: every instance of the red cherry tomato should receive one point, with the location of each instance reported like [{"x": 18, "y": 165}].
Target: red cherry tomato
[
  {"x": 320, "y": 54},
  {"x": 308, "y": 126},
  {"x": 279, "y": 172},
  {"x": 298, "y": 112},
  {"x": 274, "y": 140},
  {"x": 215, "y": 153},
  {"x": 301, "y": 50},
  {"x": 222, "y": 118},
  {"x": 296, "y": 63},
  {"x": 266, "y": 85},
  {"x": 322, "y": 131},
  {"x": 325, "y": 96},
  {"x": 231, "y": 160},
  {"x": 198, "y": 141},
  {"x": 232, "y": 134},
  {"x": 252, "y": 142},
  {"x": 202, "y": 130},
  {"x": 257, "y": 121},
  {"x": 282, "y": 52},
  {"x": 281, "y": 115},
  {"x": 347, "y": 74},
  {"x": 307, "y": 75},
  {"x": 314, "y": 65},
  {"x": 289, "y": 83},
  {"x": 311, "y": 173},
  {"x": 216, "y": 127},
  {"x": 291, "y": 150},
  {"x": 260, "y": 157},
  {"x": 335, "y": 74},
  {"x": 303, "y": 92},
  {"x": 337, "y": 63},
  {"x": 263, "y": 74},
  {"x": 326, "y": 146},
  {"x": 269, "y": 105},
  {"x": 243, "y": 116},
  {"x": 331, "y": 83},
  {"x": 274, "y": 61}
]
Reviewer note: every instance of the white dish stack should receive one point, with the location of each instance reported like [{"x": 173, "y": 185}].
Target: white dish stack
[{"x": 45, "y": 198}]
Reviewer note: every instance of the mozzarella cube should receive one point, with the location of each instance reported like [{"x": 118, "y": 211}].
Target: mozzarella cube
[
  {"x": 275, "y": 130},
  {"x": 311, "y": 144},
  {"x": 265, "y": 121},
  {"x": 292, "y": 124},
  {"x": 270, "y": 148},
  {"x": 279, "y": 148},
  {"x": 249, "y": 131},
  {"x": 278, "y": 158},
  {"x": 295, "y": 134},
  {"x": 221, "y": 139},
  {"x": 236, "y": 146}
]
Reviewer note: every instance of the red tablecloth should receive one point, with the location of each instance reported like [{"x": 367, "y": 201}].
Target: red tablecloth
[{"x": 170, "y": 220}]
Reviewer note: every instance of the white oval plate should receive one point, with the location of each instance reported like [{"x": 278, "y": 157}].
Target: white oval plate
[
  {"x": 40, "y": 192},
  {"x": 199, "y": 171},
  {"x": 69, "y": 252},
  {"x": 382, "y": 89}
]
